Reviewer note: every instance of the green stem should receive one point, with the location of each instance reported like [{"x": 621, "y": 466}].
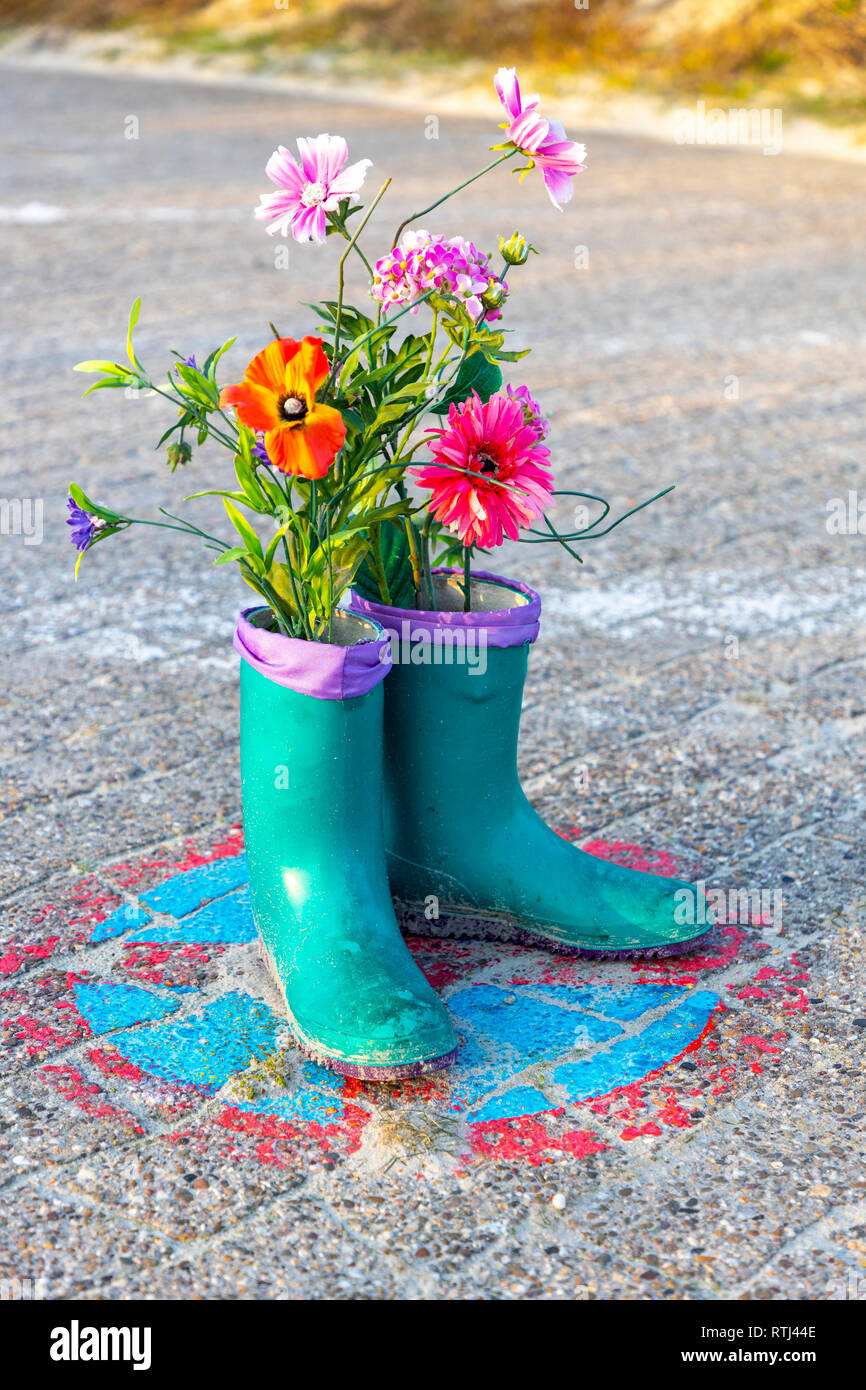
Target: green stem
[
  {"x": 378, "y": 567},
  {"x": 467, "y": 580},
  {"x": 486, "y": 170},
  {"x": 359, "y": 342},
  {"x": 186, "y": 528},
  {"x": 314, "y": 508},
  {"x": 330, "y": 577},
  {"x": 425, "y": 556},
  {"x": 271, "y": 597},
  {"x": 342, "y": 274},
  {"x": 201, "y": 414},
  {"x": 414, "y": 558},
  {"x": 346, "y": 234},
  {"x": 302, "y": 611},
  {"x": 433, "y": 331}
]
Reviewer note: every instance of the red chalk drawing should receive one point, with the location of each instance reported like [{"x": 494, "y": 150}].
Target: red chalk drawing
[
  {"x": 641, "y": 1111},
  {"x": 72, "y": 1086},
  {"x": 281, "y": 1142},
  {"x": 528, "y": 1138},
  {"x": 760, "y": 1043}
]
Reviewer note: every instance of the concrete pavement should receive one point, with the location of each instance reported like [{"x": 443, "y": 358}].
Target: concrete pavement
[{"x": 696, "y": 705}]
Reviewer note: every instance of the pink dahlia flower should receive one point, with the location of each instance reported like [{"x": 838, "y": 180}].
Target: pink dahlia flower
[
  {"x": 304, "y": 195},
  {"x": 490, "y": 474},
  {"x": 424, "y": 262},
  {"x": 532, "y": 415},
  {"x": 545, "y": 142}
]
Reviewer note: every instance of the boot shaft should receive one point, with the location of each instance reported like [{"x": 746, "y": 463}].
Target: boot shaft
[
  {"x": 311, "y": 769},
  {"x": 452, "y": 734}
]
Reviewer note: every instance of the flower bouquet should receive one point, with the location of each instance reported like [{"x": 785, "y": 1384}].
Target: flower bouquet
[{"x": 372, "y": 462}]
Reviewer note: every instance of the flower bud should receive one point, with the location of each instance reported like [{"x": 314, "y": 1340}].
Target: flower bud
[
  {"x": 515, "y": 251},
  {"x": 179, "y": 453},
  {"x": 494, "y": 296}
]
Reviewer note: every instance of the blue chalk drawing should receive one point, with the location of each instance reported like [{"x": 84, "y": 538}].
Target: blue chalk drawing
[
  {"x": 210, "y": 1048},
  {"x": 509, "y": 1032},
  {"x": 625, "y": 1005},
  {"x": 107, "y": 1006},
  {"x": 631, "y": 1059},
  {"x": 316, "y": 1076},
  {"x": 523, "y": 1100},
  {"x": 228, "y": 920},
  {"x": 119, "y": 922},
  {"x": 544, "y": 1030},
  {"x": 179, "y": 895},
  {"x": 300, "y": 1107},
  {"x": 502, "y": 1031}
]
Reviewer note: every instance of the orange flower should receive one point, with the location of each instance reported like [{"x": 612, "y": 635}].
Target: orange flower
[{"x": 278, "y": 395}]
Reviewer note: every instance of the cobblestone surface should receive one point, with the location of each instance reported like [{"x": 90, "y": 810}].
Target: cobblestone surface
[{"x": 696, "y": 704}]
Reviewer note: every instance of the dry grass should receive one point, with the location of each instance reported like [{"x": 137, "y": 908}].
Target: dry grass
[{"x": 811, "y": 49}]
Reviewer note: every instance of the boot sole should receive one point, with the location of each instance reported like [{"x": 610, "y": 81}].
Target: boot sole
[
  {"x": 489, "y": 928},
  {"x": 399, "y": 1072}
]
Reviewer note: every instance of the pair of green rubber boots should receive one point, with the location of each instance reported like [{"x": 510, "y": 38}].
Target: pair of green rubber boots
[{"x": 366, "y": 784}]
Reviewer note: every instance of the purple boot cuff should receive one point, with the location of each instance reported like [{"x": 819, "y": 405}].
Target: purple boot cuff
[
  {"x": 322, "y": 669},
  {"x": 503, "y": 627}
]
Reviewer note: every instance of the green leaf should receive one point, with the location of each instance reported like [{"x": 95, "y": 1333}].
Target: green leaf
[
  {"x": 237, "y": 552},
  {"x": 213, "y": 358},
  {"x": 199, "y": 386},
  {"x": 244, "y": 529},
  {"x": 246, "y": 476},
  {"x": 106, "y": 384},
  {"x": 476, "y": 374},
  {"x": 218, "y": 492},
  {"x": 88, "y": 505},
  {"x": 513, "y": 356},
  {"x": 397, "y": 565},
  {"x": 113, "y": 368},
  {"x": 271, "y": 490},
  {"x": 272, "y": 545},
  {"x": 373, "y": 518},
  {"x": 133, "y": 320}
]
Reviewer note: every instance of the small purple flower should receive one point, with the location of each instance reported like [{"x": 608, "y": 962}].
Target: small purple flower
[
  {"x": 84, "y": 526},
  {"x": 190, "y": 362},
  {"x": 259, "y": 451},
  {"x": 532, "y": 415}
]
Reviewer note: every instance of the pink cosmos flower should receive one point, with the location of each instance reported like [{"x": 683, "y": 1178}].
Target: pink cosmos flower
[
  {"x": 307, "y": 193},
  {"x": 545, "y": 142},
  {"x": 489, "y": 474},
  {"x": 532, "y": 415},
  {"x": 424, "y": 262}
]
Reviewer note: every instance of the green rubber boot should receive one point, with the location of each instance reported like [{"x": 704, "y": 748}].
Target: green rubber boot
[
  {"x": 311, "y": 767},
  {"x": 462, "y": 840}
]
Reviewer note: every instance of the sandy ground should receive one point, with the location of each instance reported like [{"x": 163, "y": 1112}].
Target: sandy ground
[{"x": 583, "y": 103}]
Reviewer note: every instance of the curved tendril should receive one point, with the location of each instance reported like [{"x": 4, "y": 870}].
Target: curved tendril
[{"x": 589, "y": 534}]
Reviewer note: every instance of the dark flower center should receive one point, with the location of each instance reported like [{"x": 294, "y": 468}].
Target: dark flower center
[
  {"x": 485, "y": 464},
  {"x": 293, "y": 408}
]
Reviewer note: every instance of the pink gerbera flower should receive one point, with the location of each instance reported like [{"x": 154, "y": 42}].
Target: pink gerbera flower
[
  {"x": 490, "y": 473},
  {"x": 307, "y": 193},
  {"x": 545, "y": 142}
]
